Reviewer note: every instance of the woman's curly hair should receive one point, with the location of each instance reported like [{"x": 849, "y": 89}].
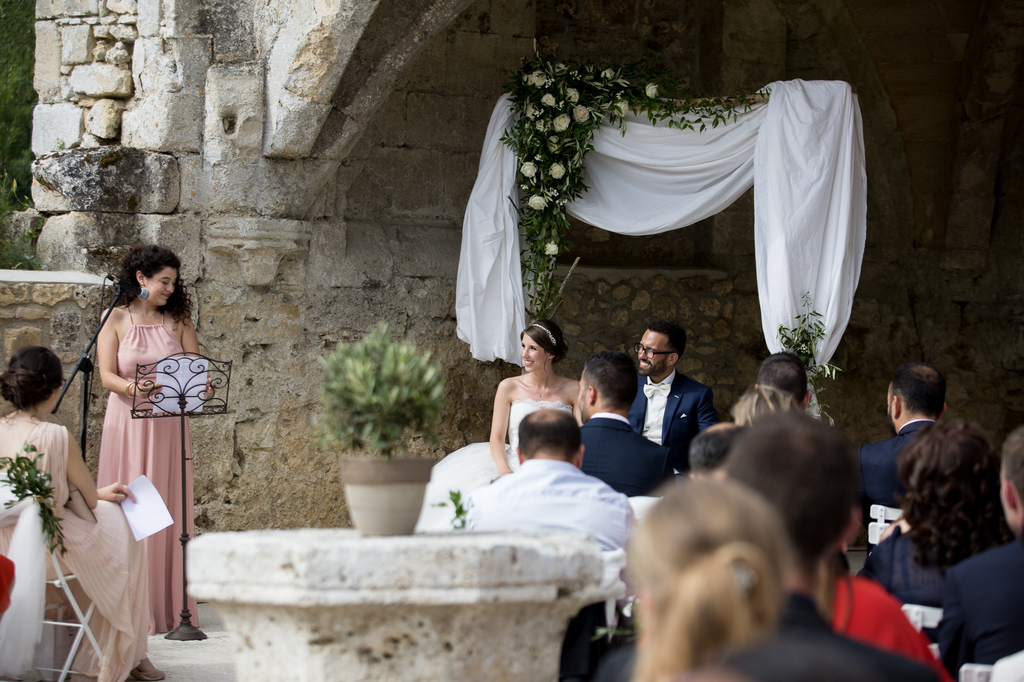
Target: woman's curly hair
[
  {"x": 951, "y": 473},
  {"x": 150, "y": 259},
  {"x": 32, "y": 375}
]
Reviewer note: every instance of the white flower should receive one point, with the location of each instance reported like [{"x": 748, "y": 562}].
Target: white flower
[
  {"x": 651, "y": 90},
  {"x": 561, "y": 122},
  {"x": 557, "y": 170},
  {"x": 538, "y": 203},
  {"x": 528, "y": 169},
  {"x": 572, "y": 94},
  {"x": 548, "y": 100},
  {"x": 541, "y": 125},
  {"x": 531, "y": 111},
  {"x": 608, "y": 74},
  {"x": 553, "y": 145},
  {"x": 551, "y": 249},
  {"x": 538, "y": 78},
  {"x": 580, "y": 113},
  {"x": 620, "y": 107}
]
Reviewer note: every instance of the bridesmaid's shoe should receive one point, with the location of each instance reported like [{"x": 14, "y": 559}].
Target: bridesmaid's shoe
[{"x": 150, "y": 674}]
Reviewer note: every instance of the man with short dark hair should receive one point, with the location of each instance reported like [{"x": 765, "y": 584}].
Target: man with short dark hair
[
  {"x": 786, "y": 372},
  {"x": 625, "y": 460},
  {"x": 809, "y": 473},
  {"x": 710, "y": 448},
  {"x": 916, "y": 398},
  {"x": 670, "y": 408},
  {"x": 983, "y": 604},
  {"x": 549, "y": 490}
]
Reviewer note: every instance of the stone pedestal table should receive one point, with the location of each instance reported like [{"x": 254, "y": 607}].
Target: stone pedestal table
[{"x": 331, "y": 606}]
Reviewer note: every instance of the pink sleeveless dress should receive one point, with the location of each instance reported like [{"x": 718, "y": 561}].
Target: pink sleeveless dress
[{"x": 133, "y": 447}]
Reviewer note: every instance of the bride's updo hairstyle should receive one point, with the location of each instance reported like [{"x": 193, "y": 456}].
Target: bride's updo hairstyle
[
  {"x": 709, "y": 559},
  {"x": 548, "y": 336},
  {"x": 32, "y": 376},
  {"x": 150, "y": 259}
]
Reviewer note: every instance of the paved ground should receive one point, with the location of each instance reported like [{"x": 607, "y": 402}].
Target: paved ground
[{"x": 208, "y": 660}]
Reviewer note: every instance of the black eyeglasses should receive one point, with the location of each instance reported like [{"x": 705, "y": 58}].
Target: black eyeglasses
[{"x": 642, "y": 350}]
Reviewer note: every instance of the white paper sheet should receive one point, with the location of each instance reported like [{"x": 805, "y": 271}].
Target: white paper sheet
[
  {"x": 149, "y": 515},
  {"x": 180, "y": 374}
]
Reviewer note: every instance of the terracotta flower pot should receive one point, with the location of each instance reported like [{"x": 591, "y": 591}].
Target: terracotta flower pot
[{"x": 384, "y": 495}]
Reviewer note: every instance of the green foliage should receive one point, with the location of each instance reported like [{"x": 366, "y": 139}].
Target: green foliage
[
  {"x": 15, "y": 253},
  {"x": 26, "y": 480},
  {"x": 378, "y": 390},
  {"x": 802, "y": 341},
  {"x": 459, "y": 520},
  {"x": 560, "y": 107},
  {"x": 17, "y": 94}
]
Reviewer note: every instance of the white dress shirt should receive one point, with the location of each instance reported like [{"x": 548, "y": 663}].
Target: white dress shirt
[
  {"x": 555, "y": 495},
  {"x": 608, "y": 415},
  {"x": 656, "y": 410}
]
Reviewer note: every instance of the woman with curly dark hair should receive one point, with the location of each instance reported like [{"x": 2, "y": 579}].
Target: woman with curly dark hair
[
  {"x": 951, "y": 511},
  {"x": 142, "y": 331}
]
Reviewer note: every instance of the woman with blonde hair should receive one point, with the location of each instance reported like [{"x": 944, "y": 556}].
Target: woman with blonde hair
[
  {"x": 709, "y": 561},
  {"x": 760, "y": 401}
]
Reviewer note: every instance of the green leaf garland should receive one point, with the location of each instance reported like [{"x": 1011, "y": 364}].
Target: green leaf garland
[{"x": 560, "y": 106}]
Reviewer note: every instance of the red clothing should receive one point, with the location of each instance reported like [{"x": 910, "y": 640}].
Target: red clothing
[
  {"x": 6, "y": 580},
  {"x": 876, "y": 618}
]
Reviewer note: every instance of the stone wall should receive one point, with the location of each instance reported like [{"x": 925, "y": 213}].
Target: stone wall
[
  {"x": 311, "y": 167},
  {"x": 58, "y": 310}
]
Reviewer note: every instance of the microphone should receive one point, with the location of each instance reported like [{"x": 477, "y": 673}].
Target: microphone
[{"x": 131, "y": 287}]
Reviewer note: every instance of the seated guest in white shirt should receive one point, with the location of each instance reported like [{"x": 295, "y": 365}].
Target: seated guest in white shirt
[{"x": 549, "y": 490}]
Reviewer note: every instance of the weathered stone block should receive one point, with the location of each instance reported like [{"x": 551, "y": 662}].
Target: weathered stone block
[
  {"x": 87, "y": 242},
  {"x": 118, "y": 179},
  {"x": 56, "y": 126},
  {"x": 46, "y": 9},
  {"x": 124, "y": 33},
  {"x": 64, "y": 327},
  {"x": 234, "y": 112},
  {"x": 123, "y": 6},
  {"x": 148, "y": 23},
  {"x": 104, "y": 118},
  {"x": 77, "y": 43},
  {"x": 50, "y": 294},
  {"x": 251, "y": 249},
  {"x": 14, "y": 294},
  {"x": 101, "y": 80},
  {"x": 19, "y": 337},
  {"x": 46, "y": 79},
  {"x": 48, "y": 200},
  {"x": 179, "y": 233},
  {"x": 425, "y": 251},
  {"x": 167, "y": 113},
  {"x": 422, "y": 607}
]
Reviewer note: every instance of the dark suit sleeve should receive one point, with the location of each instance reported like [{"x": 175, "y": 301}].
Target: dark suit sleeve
[
  {"x": 865, "y": 506},
  {"x": 954, "y": 644},
  {"x": 707, "y": 415}
]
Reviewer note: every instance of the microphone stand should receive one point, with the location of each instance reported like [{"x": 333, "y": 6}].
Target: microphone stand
[{"x": 85, "y": 366}]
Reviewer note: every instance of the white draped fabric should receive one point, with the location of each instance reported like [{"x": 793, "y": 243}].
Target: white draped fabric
[
  {"x": 803, "y": 152},
  {"x": 22, "y": 625}
]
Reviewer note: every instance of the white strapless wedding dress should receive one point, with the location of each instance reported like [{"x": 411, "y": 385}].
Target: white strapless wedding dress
[{"x": 473, "y": 467}]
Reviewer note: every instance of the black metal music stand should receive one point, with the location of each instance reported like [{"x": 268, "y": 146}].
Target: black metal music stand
[{"x": 184, "y": 393}]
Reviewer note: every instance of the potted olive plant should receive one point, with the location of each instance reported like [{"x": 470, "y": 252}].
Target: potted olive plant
[{"x": 377, "y": 391}]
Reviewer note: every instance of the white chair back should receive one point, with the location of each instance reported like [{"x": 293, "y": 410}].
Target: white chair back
[
  {"x": 922, "y": 616},
  {"x": 1009, "y": 668},
  {"x": 882, "y": 518},
  {"x": 975, "y": 672}
]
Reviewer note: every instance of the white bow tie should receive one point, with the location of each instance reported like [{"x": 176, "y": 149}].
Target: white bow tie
[{"x": 651, "y": 390}]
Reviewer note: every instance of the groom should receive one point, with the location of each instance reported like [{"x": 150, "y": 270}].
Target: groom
[{"x": 669, "y": 409}]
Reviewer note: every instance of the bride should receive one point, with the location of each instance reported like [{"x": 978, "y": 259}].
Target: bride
[{"x": 478, "y": 464}]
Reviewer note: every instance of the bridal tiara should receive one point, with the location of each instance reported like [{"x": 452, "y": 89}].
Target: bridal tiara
[{"x": 546, "y": 331}]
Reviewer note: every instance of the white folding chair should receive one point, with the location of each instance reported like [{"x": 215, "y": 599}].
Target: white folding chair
[
  {"x": 921, "y": 616},
  {"x": 883, "y": 517},
  {"x": 1009, "y": 668},
  {"x": 82, "y": 625}
]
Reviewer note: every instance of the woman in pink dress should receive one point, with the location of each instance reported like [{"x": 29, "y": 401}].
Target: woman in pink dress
[
  {"x": 142, "y": 332},
  {"x": 104, "y": 556}
]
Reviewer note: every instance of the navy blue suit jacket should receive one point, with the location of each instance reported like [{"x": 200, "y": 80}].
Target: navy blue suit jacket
[
  {"x": 876, "y": 464},
  {"x": 625, "y": 460},
  {"x": 690, "y": 409},
  {"x": 983, "y": 608}
]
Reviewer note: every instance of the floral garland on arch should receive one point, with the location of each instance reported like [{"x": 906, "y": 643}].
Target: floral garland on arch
[{"x": 560, "y": 106}]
